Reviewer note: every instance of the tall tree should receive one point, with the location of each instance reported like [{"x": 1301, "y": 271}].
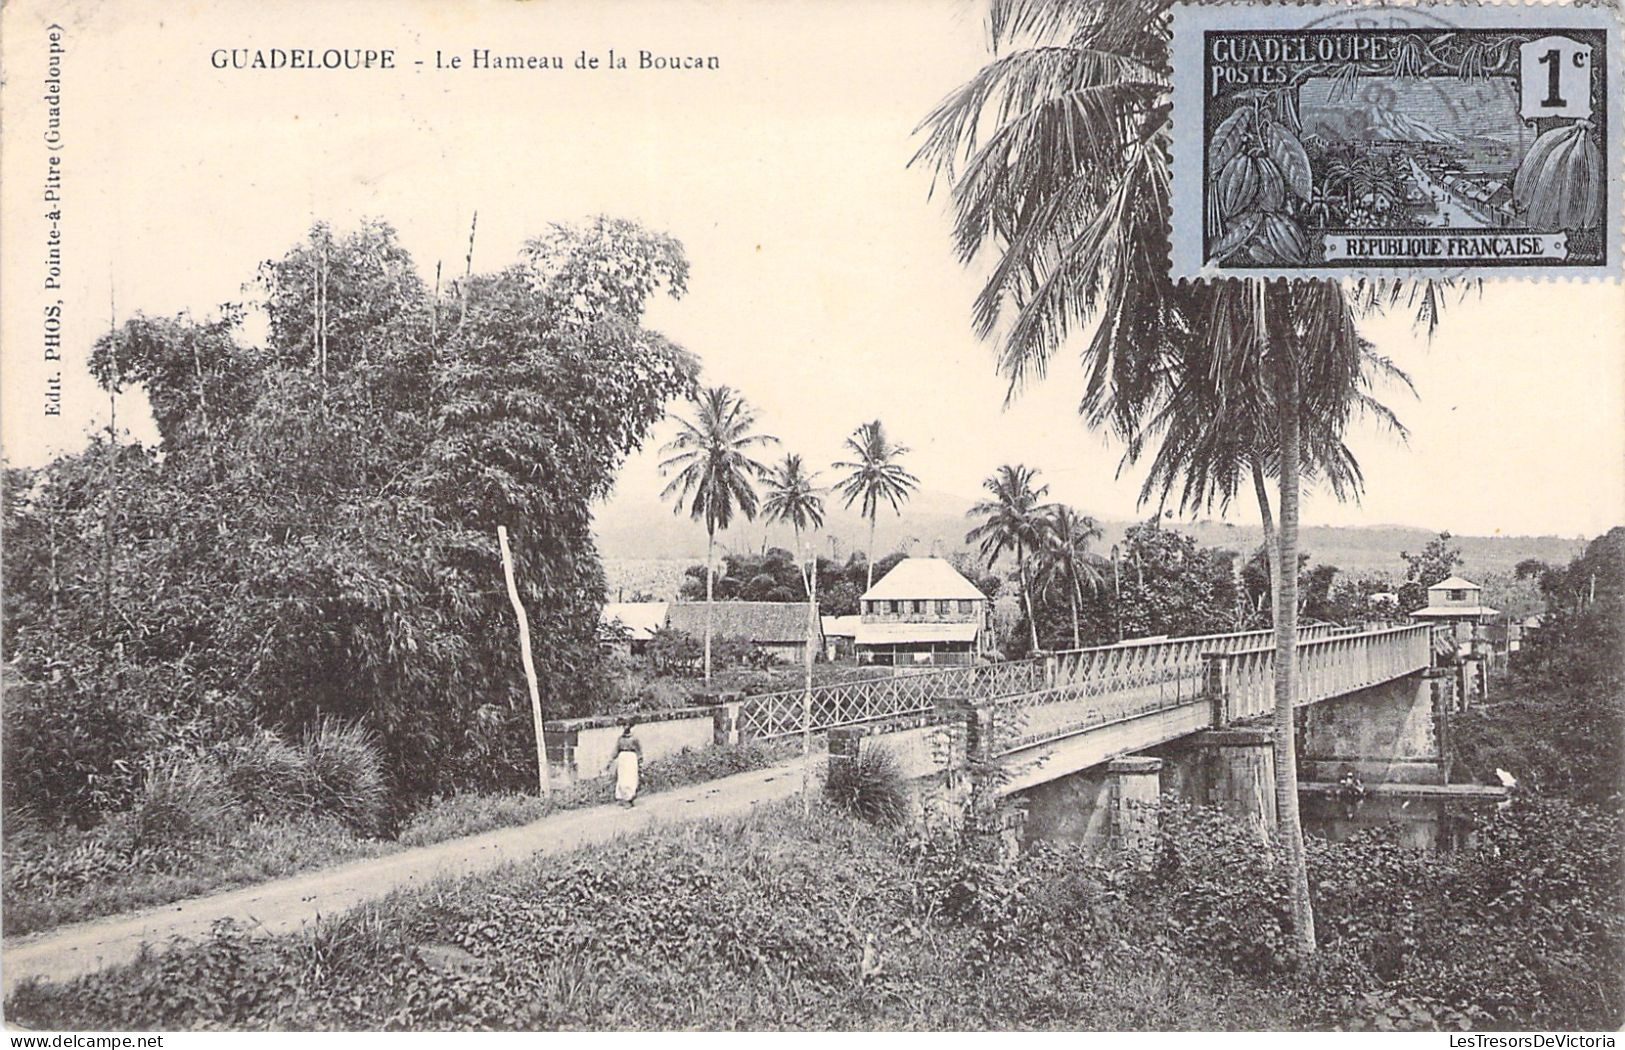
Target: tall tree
[
  {"x": 714, "y": 474},
  {"x": 1012, "y": 520},
  {"x": 355, "y": 532},
  {"x": 875, "y": 476},
  {"x": 1056, "y": 153},
  {"x": 1064, "y": 560},
  {"x": 1215, "y": 426},
  {"x": 793, "y": 499}
]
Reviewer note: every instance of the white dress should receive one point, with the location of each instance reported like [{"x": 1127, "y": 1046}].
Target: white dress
[{"x": 626, "y": 774}]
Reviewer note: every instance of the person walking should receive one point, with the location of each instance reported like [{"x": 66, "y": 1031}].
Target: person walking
[{"x": 626, "y": 761}]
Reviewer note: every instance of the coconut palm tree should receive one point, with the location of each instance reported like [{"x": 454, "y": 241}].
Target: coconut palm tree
[
  {"x": 792, "y": 499},
  {"x": 1064, "y": 559},
  {"x": 875, "y": 475},
  {"x": 1214, "y": 433},
  {"x": 714, "y": 473},
  {"x": 1056, "y": 156},
  {"x": 1013, "y": 520}
]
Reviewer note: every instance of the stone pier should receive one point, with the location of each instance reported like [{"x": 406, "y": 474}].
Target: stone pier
[{"x": 1396, "y": 733}]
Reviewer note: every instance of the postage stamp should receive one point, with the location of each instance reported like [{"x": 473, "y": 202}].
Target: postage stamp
[{"x": 1429, "y": 140}]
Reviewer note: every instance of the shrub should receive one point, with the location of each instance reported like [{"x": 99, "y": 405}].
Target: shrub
[
  {"x": 70, "y": 751},
  {"x": 344, "y": 775},
  {"x": 871, "y": 787},
  {"x": 268, "y": 776},
  {"x": 470, "y": 814},
  {"x": 182, "y": 800}
]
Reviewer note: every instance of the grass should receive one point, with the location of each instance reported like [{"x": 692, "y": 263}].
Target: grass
[
  {"x": 64, "y": 876},
  {"x": 770, "y": 921},
  {"x": 78, "y": 877},
  {"x": 779, "y": 920}
]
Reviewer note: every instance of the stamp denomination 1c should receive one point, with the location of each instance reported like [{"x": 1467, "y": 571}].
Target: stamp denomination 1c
[{"x": 1434, "y": 140}]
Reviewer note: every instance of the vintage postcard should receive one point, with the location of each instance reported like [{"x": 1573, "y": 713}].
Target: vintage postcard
[
  {"x": 909, "y": 516},
  {"x": 1427, "y": 139}
]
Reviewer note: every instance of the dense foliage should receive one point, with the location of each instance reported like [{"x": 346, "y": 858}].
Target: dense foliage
[
  {"x": 1163, "y": 583},
  {"x": 1558, "y": 722},
  {"x": 779, "y": 921},
  {"x": 314, "y": 535}
]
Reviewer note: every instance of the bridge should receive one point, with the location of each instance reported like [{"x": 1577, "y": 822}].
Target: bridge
[{"x": 1020, "y": 725}]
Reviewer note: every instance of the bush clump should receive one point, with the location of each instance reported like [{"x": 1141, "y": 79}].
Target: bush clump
[
  {"x": 343, "y": 774},
  {"x": 870, "y": 787}
]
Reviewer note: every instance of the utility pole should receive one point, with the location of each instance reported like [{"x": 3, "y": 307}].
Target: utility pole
[{"x": 542, "y": 778}]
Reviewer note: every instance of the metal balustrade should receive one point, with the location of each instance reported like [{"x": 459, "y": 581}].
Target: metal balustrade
[
  {"x": 1153, "y": 672},
  {"x": 1242, "y": 682}
]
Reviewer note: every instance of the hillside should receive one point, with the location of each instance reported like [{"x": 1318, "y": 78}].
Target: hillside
[{"x": 646, "y": 547}]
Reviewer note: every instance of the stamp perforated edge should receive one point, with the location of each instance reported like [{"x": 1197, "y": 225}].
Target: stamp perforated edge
[{"x": 1189, "y": 19}]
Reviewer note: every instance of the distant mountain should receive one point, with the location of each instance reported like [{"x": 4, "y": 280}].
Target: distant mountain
[
  {"x": 1374, "y": 124},
  {"x": 635, "y": 527},
  {"x": 934, "y": 522}
]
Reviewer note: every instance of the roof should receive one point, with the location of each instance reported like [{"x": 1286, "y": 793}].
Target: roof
[
  {"x": 841, "y": 626},
  {"x": 900, "y": 633},
  {"x": 1455, "y": 583},
  {"x": 1454, "y": 611},
  {"x": 756, "y": 621},
  {"x": 641, "y": 619},
  {"x": 923, "y": 578}
]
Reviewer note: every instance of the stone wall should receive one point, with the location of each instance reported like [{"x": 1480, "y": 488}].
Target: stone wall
[{"x": 580, "y": 748}]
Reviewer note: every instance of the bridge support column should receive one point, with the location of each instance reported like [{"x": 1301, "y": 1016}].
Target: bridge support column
[
  {"x": 1472, "y": 688},
  {"x": 1233, "y": 769},
  {"x": 1397, "y": 732},
  {"x": 1243, "y": 771},
  {"x": 1136, "y": 795}
]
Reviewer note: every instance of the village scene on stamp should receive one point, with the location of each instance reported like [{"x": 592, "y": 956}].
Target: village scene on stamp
[{"x": 1098, "y": 515}]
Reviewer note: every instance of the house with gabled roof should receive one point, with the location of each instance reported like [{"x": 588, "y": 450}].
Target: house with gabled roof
[
  {"x": 784, "y": 629},
  {"x": 626, "y": 627},
  {"x": 923, "y": 612}
]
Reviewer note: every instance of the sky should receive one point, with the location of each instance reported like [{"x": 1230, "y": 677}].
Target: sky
[{"x": 823, "y": 284}]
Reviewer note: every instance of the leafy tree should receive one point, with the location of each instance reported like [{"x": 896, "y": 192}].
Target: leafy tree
[
  {"x": 1531, "y": 568},
  {"x": 1169, "y": 585},
  {"x": 314, "y": 535},
  {"x": 875, "y": 475},
  {"x": 715, "y": 475},
  {"x": 1014, "y": 521},
  {"x": 1516, "y": 597},
  {"x": 1437, "y": 561}
]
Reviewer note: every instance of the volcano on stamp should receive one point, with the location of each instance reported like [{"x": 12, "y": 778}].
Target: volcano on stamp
[{"x": 1373, "y": 141}]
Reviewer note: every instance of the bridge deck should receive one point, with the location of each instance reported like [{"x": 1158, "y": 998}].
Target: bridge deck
[{"x": 1062, "y": 712}]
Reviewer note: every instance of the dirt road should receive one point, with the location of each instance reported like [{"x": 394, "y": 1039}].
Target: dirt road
[{"x": 289, "y": 904}]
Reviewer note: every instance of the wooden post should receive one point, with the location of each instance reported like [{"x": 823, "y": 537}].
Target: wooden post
[
  {"x": 542, "y": 779},
  {"x": 806, "y": 699}
]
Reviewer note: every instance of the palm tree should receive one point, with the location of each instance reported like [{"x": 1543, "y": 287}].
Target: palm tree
[
  {"x": 1069, "y": 189},
  {"x": 875, "y": 475},
  {"x": 1064, "y": 559},
  {"x": 1215, "y": 432},
  {"x": 1013, "y": 520},
  {"x": 714, "y": 474},
  {"x": 792, "y": 499}
]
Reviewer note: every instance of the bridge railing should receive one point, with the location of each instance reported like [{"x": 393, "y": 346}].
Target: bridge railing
[
  {"x": 1171, "y": 667},
  {"x": 769, "y": 715},
  {"x": 1241, "y": 682}
]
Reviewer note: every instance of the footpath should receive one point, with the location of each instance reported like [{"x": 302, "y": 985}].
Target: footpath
[{"x": 290, "y": 904}]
